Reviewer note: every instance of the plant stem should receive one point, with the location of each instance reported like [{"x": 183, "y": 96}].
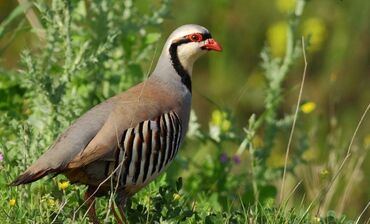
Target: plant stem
[
  {"x": 294, "y": 121},
  {"x": 32, "y": 18}
]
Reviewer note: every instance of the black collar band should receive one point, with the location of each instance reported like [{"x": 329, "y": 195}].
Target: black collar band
[{"x": 185, "y": 77}]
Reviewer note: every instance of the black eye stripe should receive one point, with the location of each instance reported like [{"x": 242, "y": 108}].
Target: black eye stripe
[{"x": 206, "y": 36}]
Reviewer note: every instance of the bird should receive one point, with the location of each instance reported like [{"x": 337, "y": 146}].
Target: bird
[{"x": 130, "y": 138}]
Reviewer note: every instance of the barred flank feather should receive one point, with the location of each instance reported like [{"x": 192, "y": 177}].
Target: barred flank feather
[{"x": 147, "y": 149}]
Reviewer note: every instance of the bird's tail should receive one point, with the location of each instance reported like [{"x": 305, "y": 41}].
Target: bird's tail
[{"x": 29, "y": 177}]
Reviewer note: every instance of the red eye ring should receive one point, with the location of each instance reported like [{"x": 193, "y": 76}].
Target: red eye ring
[{"x": 195, "y": 37}]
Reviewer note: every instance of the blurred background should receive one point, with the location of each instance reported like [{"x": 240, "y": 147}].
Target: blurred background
[
  {"x": 338, "y": 75},
  {"x": 339, "y": 60}
]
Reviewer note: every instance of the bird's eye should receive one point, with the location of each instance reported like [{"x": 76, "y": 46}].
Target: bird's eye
[{"x": 195, "y": 37}]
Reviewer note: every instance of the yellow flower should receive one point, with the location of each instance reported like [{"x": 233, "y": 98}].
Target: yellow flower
[
  {"x": 12, "y": 202},
  {"x": 285, "y": 5},
  {"x": 367, "y": 141},
  {"x": 310, "y": 154},
  {"x": 316, "y": 29},
  {"x": 63, "y": 185},
  {"x": 324, "y": 173},
  {"x": 308, "y": 107},
  {"x": 276, "y": 159},
  {"x": 316, "y": 220},
  {"x": 176, "y": 196},
  {"x": 51, "y": 202},
  {"x": 219, "y": 118},
  {"x": 277, "y": 38}
]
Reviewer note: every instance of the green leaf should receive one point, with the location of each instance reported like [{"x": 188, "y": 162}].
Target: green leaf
[{"x": 152, "y": 38}]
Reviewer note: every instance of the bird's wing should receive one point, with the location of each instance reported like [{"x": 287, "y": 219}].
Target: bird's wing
[{"x": 145, "y": 102}]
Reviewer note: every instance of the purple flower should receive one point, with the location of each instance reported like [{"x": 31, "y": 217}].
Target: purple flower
[
  {"x": 236, "y": 159},
  {"x": 1, "y": 157},
  {"x": 224, "y": 158}
]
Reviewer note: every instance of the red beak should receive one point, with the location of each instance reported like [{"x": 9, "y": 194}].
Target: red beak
[{"x": 212, "y": 45}]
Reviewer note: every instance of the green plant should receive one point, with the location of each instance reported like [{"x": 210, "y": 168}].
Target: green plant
[
  {"x": 87, "y": 51},
  {"x": 92, "y": 63}
]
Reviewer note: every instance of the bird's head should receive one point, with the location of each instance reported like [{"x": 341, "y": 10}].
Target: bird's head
[
  {"x": 188, "y": 43},
  {"x": 182, "y": 48}
]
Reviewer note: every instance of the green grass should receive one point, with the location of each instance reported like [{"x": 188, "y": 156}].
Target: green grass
[{"x": 89, "y": 52}]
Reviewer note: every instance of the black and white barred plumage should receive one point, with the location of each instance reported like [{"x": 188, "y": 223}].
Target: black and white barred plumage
[{"x": 146, "y": 150}]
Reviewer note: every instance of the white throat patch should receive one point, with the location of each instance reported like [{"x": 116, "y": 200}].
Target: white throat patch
[{"x": 188, "y": 53}]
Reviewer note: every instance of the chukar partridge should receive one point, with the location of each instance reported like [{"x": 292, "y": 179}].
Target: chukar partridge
[{"x": 130, "y": 138}]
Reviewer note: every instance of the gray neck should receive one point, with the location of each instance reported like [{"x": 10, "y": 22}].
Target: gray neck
[{"x": 170, "y": 69}]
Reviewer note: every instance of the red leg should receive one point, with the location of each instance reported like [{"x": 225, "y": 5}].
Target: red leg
[
  {"x": 116, "y": 215},
  {"x": 90, "y": 202}
]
